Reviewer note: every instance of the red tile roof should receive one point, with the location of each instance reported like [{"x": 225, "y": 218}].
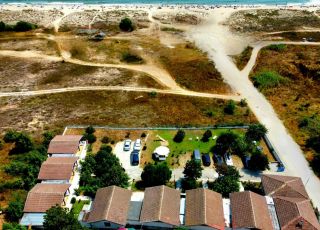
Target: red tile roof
[
  {"x": 64, "y": 144},
  {"x": 162, "y": 204},
  {"x": 288, "y": 186},
  {"x": 290, "y": 211},
  {"x": 204, "y": 207},
  {"x": 250, "y": 210},
  {"x": 110, "y": 204},
  {"x": 57, "y": 168},
  {"x": 43, "y": 196}
]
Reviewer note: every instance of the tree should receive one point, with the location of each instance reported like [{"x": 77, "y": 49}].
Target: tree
[
  {"x": 206, "y": 136},
  {"x": 156, "y": 174},
  {"x": 225, "y": 142},
  {"x": 13, "y": 226},
  {"x": 22, "y": 26},
  {"x": 225, "y": 185},
  {"x": 2, "y": 26},
  {"x": 10, "y": 136},
  {"x": 258, "y": 162},
  {"x": 314, "y": 143},
  {"x": 227, "y": 170},
  {"x": 23, "y": 142},
  {"x": 189, "y": 183},
  {"x": 230, "y": 107},
  {"x": 58, "y": 218},
  {"x": 178, "y": 138},
  {"x": 107, "y": 171},
  {"x": 315, "y": 164},
  {"x": 193, "y": 169},
  {"x": 126, "y": 25},
  {"x": 256, "y": 132},
  {"x": 46, "y": 138},
  {"x": 14, "y": 211},
  {"x": 90, "y": 130}
]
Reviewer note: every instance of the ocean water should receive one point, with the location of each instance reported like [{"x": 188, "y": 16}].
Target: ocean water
[{"x": 195, "y": 2}]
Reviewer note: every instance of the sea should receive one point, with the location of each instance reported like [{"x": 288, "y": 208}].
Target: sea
[{"x": 171, "y": 2}]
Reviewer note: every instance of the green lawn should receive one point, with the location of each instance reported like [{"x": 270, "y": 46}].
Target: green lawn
[{"x": 77, "y": 207}]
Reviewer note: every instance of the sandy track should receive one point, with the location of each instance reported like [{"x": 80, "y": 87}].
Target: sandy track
[
  {"x": 120, "y": 88},
  {"x": 289, "y": 151}
]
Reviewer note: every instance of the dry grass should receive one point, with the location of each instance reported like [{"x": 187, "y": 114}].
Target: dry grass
[
  {"x": 298, "y": 99},
  {"x": 116, "y": 109},
  {"x": 18, "y": 74},
  {"x": 242, "y": 59},
  {"x": 299, "y": 36}
]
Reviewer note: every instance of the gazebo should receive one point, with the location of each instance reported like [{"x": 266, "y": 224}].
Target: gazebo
[{"x": 161, "y": 152}]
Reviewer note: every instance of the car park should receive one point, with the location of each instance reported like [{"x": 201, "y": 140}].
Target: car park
[
  {"x": 137, "y": 145},
  {"x": 206, "y": 160},
  {"x": 127, "y": 145}
]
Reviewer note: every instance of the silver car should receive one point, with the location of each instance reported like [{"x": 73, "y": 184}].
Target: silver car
[{"x": 127, "y": 145}]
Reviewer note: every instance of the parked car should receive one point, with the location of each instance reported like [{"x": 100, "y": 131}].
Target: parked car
[
  {"x": 228, "y": 159},
  {"x": 217, "y": 159},
  {"x": 135, "y": 152},
  {"x": 196, "y": 155},
  {"x": 206, "y": 160},
  {"x": 137, "y": 145},
  {"x": 127, "y": 145},
  {"x": 134, "y": 159}
]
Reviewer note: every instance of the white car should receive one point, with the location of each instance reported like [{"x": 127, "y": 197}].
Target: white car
[
  {"x": 228, "y": 159},
  {"x": 127, "y": 145},
  {"x": 137, "y": 145}
]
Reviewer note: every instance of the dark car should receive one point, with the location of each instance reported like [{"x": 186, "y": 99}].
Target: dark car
[
  {"x": 134, "y": 159},
  {"x": 206, "y": 160}
]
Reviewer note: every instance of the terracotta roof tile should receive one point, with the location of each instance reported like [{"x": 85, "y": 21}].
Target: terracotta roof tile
[
  {"x": 249, "y": 210},
  {"x": 57, "y": 168},
  {"x": 64, "y": 144},
  {"x": 204, "y": 207},
  {"x": 276, "y": 185},
  {"x": 43, "y": 196},
  {"x": 110, "y": 204},
  {"x": 290, "y": 209},
  {"x": 161, "y": 203}
]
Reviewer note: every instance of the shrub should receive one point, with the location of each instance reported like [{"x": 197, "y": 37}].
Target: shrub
[
  {"x": 258, "y": 162},
  {"x": 2, "y": 26},
  {"x": 131, "y": 58},
  {"x": 315, "y": 164},
  {"x": 243, "y": 103},
  {"x": 206, "y": 136},
  {"x": 256, "y": 132},
  {"x": 105, "y": 140},
  {"x": 157, "y": 174},
  {"x": 192, "y": 170},
  {"x": 14, "y": 211},
  {"x": 314, "y": 143},
  {"x": 277, "y": 47},
  {"x": 73, "y": 200},
  {"x": 126, "y": 25},
  {"x": 253, "y": 186},
  {"x": 90, "y": 130},
  {"x": 143, "y": 135},
  {"x": 189, "y": 183},
  {"x": 22, "y": 26},
  {"x": 153, "y": 94},
  {"x": 268, "y": 79},
  {"x": 178, "y": 138},
  {"x": 91, "y": 138},
  {"x": 10, "y": 136},
  {"x": 225, "y": 185},
  {"x": 13, "y": 226},
  {"x": 230, "y": 107},
  {"x": 1, "y": 144}
]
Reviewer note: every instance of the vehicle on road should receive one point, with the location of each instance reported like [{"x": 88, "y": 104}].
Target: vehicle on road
[
  {"x": 206, "y": 160},
  {"x": 137, "y": 145},
  {"x": 134, "y": 158},
  {"x": 127, "y": 145}
]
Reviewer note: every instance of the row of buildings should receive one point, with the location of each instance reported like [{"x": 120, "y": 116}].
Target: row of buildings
[
  {"x": 57, "y": 178},
  {"x": 285, "y": 206}
]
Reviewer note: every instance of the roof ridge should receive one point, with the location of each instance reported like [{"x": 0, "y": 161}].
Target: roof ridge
[
  {"x": 111, "y": 197},
  {"x": 161, "y": 200},
  {"x": 298, "y": 191},
  {"x": 204, "y": 205},
  {"x": 251, "y": 201}
]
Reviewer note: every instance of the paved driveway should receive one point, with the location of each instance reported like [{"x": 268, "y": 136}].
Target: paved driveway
[{"x": 134, "y": 172}]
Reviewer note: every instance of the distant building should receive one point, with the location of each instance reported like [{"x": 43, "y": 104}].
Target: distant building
[
  {"x": 41, "y": 198},
  {"x": 57, "y": 170},
  {"x": 64, "y": 145}
]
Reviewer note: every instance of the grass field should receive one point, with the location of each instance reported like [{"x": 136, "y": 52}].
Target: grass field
[
  {"x": 78, "y": 205},
  {"x": 297, "y": 101}
]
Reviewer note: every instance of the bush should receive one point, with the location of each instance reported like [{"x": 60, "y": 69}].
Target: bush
[
  {"x": 189, "y": 183},
  {"x": 10, "y": 136},
  {"x": 143, "y": 135},
  {"x": 230, "y": 107},
  {"x": 153, "y": 94},
  {"x": 225, "y": 185},
  {"x": 126, "y": 25},
  {"x": 13, "y": 226},
  {"x": 157, "y": 174},
  {"x": 314, "y": 143},
  {"x": 73, "y": 200},
  {"x": 91, "y": 138},
  {"x": 256, "y": 132},
  {"x": 105, "y": 140},
  {"x": 193, "y": 169},
  {"x": 315, "y": 164},
  {"x": 131, "y": 58},
  {"x": 253, "y": 186},
  {"x": 268, "y": 79},
  {"x": 258, "y": 162},
  {"x": 14, "y": 211},
  {"x": 243, "y": 103},
  {"x": 22, "y": 26},
  {"x": 178, "y": 138},
  {"x": 90, "y": 130},
  {"x": 2, "y": 26},
  {"x": 277, "y": 47},
  {"x": 206, "y": 136},
  {"x": 1, "y": 144}
]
